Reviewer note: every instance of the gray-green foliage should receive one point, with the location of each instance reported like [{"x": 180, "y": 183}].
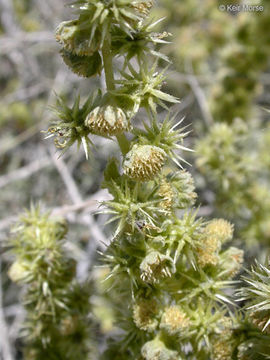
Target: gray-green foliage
[
  {"x": 57, "y": 324},
  {"x": 230, "y": 58}
]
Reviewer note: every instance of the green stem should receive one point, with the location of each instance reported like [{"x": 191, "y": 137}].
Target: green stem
[
  {"x": 108, "y": 69},
  {"x": 107, "y": 63},
  {"x": 123, "y": 143}
]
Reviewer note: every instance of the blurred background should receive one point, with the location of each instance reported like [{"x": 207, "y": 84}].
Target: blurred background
[{"x": 219, "y": 70}]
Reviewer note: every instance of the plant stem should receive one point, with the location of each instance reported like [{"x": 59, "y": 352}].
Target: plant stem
[
  {"x": 107, "y": 63},
  {"x": 108, "y": 69},
  {"x": 123, "y": 143}
]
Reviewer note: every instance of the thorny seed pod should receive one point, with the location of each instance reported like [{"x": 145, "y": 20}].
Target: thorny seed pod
[
  {"x": 156, "y": 266},
  {"x": 82, "y": 65},
  {"x": 174, "y": 320},
  {"x": 75, "y": 40},
  {"x": 144, "y": 162},
  {"x": 144, "y": 314},
  {"x": 107, "y": 121},
  {"x": 157, "y": 350}
]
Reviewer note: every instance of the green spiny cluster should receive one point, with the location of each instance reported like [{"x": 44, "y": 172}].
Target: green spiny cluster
[
  {"x": 248, "y": 335},
  {"x": 168, "y": 271},
  {"x": 233, "y": 48},
  {"x": 242, "y": 62},
  {"x": 220, "y": 158},
  {"x": 86, "y": 35},
  {"x": 199, "y": 31},
  {"x": 256, "y": 293},
  {"x": 231, "y": 159},
  {"x": 175, "y": 275},
  {"x": 57, "y": 306},
  {"x": 232, "y": 156},
  {"x": 104, "y": 30}
]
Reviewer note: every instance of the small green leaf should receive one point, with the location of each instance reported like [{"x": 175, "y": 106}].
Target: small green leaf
[
  {"x": 111, "y": 172},
  {"x": 163, "y": 96}
]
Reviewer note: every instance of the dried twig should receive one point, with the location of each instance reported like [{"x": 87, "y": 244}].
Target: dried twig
[
  {"x": 6, "y": 349},
  {"x": 25, "y": 171}
]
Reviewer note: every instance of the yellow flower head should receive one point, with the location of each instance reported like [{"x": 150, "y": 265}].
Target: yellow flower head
[
  {"x": 144, "y": 312},
  {"x": 144, "y": 162},
  {"x": 107, "y": 121},
  {"x": 220, "y": 229},
  {"x": 174, "y": 319}
]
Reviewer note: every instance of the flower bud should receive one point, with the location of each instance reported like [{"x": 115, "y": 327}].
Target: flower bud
[
  {"x": 144, "y": 162},
  {"x": 82, "y": 65},
  {"x": 232, "y": 260},
  {"x": 206, "y": 254},
  {"x": 143, "y": 7},
  {"x": 18, "y": 271},
  {"x": 107, "y": 121},
  {"x": 177, "y": 191},
  {"x": 144, "y": 314},
  {"x": 222, "y": 349},
  {"x": 156, "y": 266},
  {"x": 183, "y": 184},
  {"x": 174, "y": 320},
  {"x": 157, "y": 350},
  {"x": 76, "y": 40},
  {"x": 68, "y": 325},
  {"x": 205, "y": 258},
  {"x": 221, "y": 229},
  {"x": 261, "y": 320},
  {"x": 31, "y": 354},
  {"x": 65, "y": 33},
  {"x": 167, "y": 194},
  {"x": 216, "y": 233}
]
